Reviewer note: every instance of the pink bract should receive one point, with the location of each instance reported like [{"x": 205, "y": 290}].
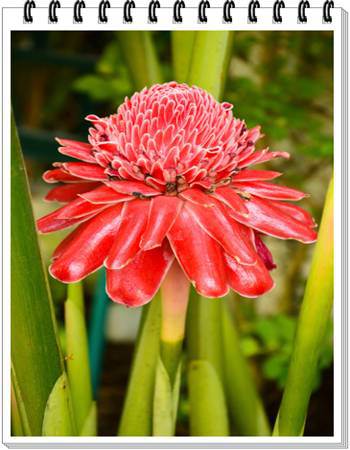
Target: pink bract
[{"x": 168, "y": 176}]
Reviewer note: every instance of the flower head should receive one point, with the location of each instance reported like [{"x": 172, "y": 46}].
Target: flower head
[{"x": 168, "y": 176}]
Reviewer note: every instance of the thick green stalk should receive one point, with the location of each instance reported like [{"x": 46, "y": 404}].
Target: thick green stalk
[
  {"x": 208, "y": 410},
  {"x": 314, "y": 315},
  {"x": 182, "y": 48},
  {"x": 36, "y": 359},
  {"x": 140, "y": 57},
  {"x": 243, "y": 400},
  {"x": 77, "y": 358},
  {"x": 136, "y": 418},
  {"x": 209, "y": 61},
  {"x": 174, "y": 296}
]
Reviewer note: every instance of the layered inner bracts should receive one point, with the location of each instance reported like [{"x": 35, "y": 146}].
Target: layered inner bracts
[{"x": 169, "y": 176}]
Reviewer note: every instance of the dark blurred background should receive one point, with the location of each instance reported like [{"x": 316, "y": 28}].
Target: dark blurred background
[{"x": 280, "y": 80}]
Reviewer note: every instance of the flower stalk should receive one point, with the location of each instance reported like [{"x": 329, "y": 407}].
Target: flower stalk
[
  {"x": 313, "y": 319},
  {"x": 174, "y": 296}
]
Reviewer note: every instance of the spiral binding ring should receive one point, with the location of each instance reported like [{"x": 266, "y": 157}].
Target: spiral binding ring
[
  {"x": 301, "y": 11},
  {"x": 327, "y": 18},
  {"x": 152, "y": 16},
  {"x": 102, "y": 7},
  {"x": 277, "y": 18},
  {"x": 27, "y": 11},
  {"x": 78, "y": 5},
  {"x": 177, "y": 10},
  {"x": 54, "y": 4},
  {"x": 251, "y": 11},
  {"x": 203, "y": 5},
  {"x": 228, "y": 5},
  {"x": 127, "y": 17}
]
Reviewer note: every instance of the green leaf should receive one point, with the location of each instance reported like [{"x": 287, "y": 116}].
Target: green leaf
[
  {"x": 208, "y": 414},
  {"x": 77, "y": 359},
  {"x": 140, "y": 57},
  {"x": 311, "y": 330},
  {"x": 90, "y": 425},
  {"x": 58, "y": 412},
  {"x": 19, "y": 416},
  {"x": 166, "y": 399},
  {"x": 137, "y": 413},
  {"x": 36, "y": 359},
  {"x": 16, "y": 421}
]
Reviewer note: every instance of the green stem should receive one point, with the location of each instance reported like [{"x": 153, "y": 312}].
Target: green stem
[
  {"x": 243, "y": 400},
  {"x": 136, "y": 418},
  {"x": 314, "y": 316},
  {"x": 77, "y": 358},
  {"x": 140, "y": 57}
]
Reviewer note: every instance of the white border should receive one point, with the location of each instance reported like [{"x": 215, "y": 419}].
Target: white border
[{"x": 11, "y": 20}]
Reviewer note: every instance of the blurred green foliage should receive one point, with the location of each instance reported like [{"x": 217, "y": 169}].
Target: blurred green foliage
[
  {"x": 111, "y": 82},
  {"x": 271, "y": 339},
  {"x": 286, "y": 87}
]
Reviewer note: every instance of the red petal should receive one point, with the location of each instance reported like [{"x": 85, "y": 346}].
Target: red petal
[
  {"x": 138, "y": 282},
  {"x": 136, "y": 188},
  {"x": 132, "y": 226},
  {"x": 229, "y": 197},
  {"x": 162, "y": 214},
  {"x": 296, "y": 212},
  {"x": 266, "y": 217},
  {"x": 197, "y": 196},
  {"x": 227, "y": 232},
  {"x": 271, "y": 191},
  {"x": 249, "y": 281},
  {"x": 78, "y": 153},
  {"x": 56, "y": 175},
  {"x": 69, "y": 192},
  {"x": 104, "y": 194},
  {"x": 77, "y": 208},
  {"x": 49, "y": 223},
  {"x": 86, "y": 171},
  {"x": 84, "y": 251},
  {"x": 260, "y": 157},
  {"x": 255, "y": 175},
  {"x": 75, "y": 144},
  {"x": 199, "y": 255}
]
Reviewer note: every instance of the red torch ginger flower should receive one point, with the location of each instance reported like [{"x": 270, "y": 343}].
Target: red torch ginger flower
[{"x": 168, "y": 176}]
